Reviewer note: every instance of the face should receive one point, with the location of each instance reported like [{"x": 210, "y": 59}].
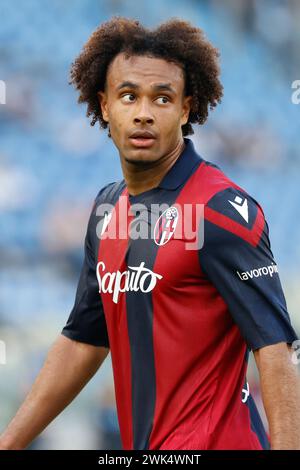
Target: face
[{"x": 145, "y": 107}]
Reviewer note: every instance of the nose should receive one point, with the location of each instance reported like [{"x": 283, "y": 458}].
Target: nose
[{"x": 143, "y": 114}]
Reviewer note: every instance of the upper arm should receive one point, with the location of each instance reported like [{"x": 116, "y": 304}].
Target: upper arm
[
  {"x": 86, "y": 322},
  {"x": 237, "y": 258},
  {"x": 87, "y": 352},
  {"x": 279, "y": 377},
  {"x": 272, "y": 357}
]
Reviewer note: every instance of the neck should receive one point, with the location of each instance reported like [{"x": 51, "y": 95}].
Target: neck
[{"x": 140, "y": 178}]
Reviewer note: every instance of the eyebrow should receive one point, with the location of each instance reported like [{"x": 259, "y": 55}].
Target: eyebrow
[
  {"x": 127, "y": 85},
  {"x": 158, "y": 87}
]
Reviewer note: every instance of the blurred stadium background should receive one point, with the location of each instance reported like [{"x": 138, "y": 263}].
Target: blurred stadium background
[{"x": 52, "y": 164}]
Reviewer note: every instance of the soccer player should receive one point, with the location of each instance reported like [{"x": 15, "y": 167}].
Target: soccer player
[{"x": 178, "y": 307}]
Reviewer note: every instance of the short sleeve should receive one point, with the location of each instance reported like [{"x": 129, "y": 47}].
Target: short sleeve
[
  {"x": 86, "y": 322},
  {"x": 236, "y": 258}
]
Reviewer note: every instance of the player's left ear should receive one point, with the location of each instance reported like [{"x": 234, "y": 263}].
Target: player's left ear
[
  {"x": 102, "y": 98},
  {"x": 186, "y": 108}
]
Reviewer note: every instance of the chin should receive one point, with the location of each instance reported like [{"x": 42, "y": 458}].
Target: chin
[{"x": 141, "y": 156}]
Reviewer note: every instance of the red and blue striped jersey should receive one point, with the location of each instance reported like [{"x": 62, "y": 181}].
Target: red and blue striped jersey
[{"x": 180, "y": 283}]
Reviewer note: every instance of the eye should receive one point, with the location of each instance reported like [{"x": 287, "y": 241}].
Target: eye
[
  {"x": 127, "y": 98},
  {"x": 163, "y": 98}
]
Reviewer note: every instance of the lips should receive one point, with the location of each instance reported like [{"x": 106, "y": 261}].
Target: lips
[{"x": 142, "y": 139}]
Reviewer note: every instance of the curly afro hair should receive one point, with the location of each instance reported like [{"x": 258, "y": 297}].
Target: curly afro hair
[{"x": 175, "y": 41}]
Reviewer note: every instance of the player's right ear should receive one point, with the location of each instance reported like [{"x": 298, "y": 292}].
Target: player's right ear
[{"x": 102, "y": 98}]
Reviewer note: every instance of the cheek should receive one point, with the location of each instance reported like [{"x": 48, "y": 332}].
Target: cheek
[
  {"x": 118, "y": 117},
  {"x": 170, "y": 121},
  {"x": 173, "y": 114}
]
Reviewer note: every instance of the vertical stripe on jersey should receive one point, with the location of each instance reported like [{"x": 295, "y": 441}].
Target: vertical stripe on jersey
[
  {"x": 113, "y": 255},
  {"x": 140, "y": 329},
  {"x": 256, "y": 424}
]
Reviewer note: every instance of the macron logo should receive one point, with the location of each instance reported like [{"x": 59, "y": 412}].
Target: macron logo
[
  {"x": 106, "y": 221},
  {"x": 241, "y": 206}
]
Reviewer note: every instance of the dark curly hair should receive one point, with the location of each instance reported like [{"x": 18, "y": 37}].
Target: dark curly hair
[{"x": 175, "y": 41}]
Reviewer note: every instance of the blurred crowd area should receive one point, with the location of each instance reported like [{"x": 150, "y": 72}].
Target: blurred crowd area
[{"x": 53, "y": 163}]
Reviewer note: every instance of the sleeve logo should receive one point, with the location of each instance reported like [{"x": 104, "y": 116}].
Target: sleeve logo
[
  {"x": 258, "y": 272},
  {"x": 241, "y": 206}
]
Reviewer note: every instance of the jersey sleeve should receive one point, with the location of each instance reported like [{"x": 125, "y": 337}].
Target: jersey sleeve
[
  {"x": 86, "y": 322},
  {"x": 236, "y": 258}
]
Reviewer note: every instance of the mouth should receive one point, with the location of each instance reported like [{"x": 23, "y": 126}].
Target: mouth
[
  {"x": 142, "y": 142},
  {"x": 142, "y": 139}
]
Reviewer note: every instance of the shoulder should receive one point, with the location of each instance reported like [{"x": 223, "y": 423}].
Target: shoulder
[
  {"x": 110, "y": 192},
  {"x": 230, "y": 210}
]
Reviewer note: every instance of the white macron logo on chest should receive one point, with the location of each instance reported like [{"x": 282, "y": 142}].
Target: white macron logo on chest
[
  {"x": 106, "y": 221},
  {"x": 241, "y": 206}
]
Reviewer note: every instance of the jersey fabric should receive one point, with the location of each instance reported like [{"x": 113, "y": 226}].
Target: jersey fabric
[{"x": 180, "y": 322}]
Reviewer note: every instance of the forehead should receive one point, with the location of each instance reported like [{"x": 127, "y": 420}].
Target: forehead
[{"x": 144, "y": 70}]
